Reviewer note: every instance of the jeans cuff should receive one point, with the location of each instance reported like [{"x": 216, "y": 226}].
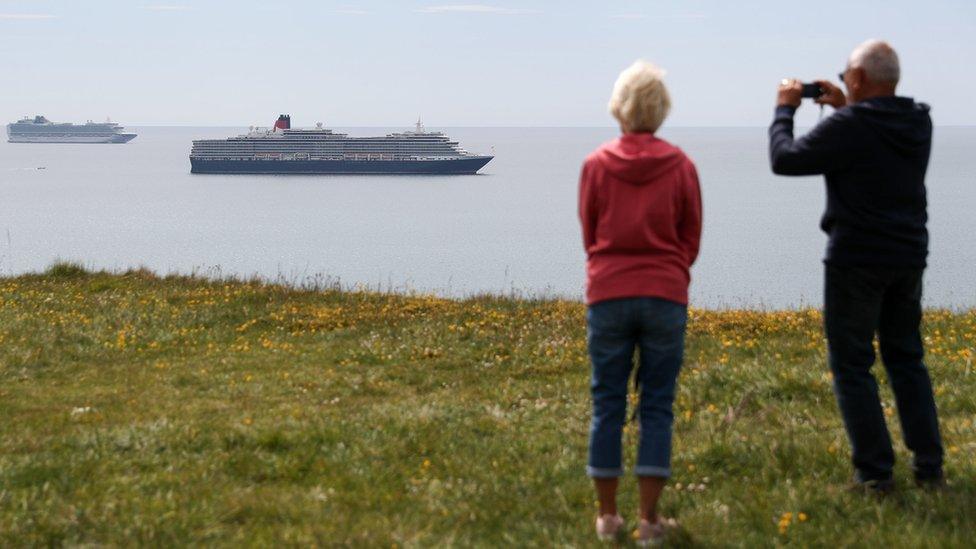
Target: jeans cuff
[
  {"x": 604, "y": 472},
  {"x": 652, "y": 471}
]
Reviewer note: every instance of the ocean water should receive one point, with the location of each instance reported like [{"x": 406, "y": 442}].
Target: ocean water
[{"x": 512, "y": 228}]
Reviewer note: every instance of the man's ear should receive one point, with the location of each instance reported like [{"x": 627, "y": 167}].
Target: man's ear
[{"x": 858, "y": 74}]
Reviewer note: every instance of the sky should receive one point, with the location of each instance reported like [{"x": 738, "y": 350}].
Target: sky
[{"x": 456, "y": 62}]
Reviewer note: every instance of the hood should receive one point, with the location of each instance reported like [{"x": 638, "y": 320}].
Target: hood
[
  {"x": 639, "y": 158},
  {"x": 901, "y": 122}
]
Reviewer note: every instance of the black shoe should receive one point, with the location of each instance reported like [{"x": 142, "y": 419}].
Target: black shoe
[
  {"x": 931, "y": 484},
  {"x": 881, "y": 487}
]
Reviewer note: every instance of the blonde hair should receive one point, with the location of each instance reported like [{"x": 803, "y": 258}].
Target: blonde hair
[{"x": 639, "y": 101}]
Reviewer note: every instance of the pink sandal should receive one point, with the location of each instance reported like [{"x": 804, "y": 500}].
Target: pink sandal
[
  {"x": 650, "y": 534},
  {"x": 608, "y": 526}
]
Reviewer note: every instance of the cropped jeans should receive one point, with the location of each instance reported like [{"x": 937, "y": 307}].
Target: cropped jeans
[{"x": 655, "y": 328}]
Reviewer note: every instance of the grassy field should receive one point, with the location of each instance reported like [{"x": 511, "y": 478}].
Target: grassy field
[{"x": 172, "y": 411}]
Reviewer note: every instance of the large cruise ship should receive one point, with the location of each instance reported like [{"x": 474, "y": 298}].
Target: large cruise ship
[
  {"x": 318, "y": 150},
  {"x": 42, "y": 130}
]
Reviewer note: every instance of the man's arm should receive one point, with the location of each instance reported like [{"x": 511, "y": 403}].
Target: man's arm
[{"x": 825, "y": 148}]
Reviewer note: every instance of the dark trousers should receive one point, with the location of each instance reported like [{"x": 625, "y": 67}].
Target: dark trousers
[{"x": 859, "y": 302}]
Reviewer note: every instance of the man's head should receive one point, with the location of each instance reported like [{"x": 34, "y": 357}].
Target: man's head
[{"x": 872, "y": 71}]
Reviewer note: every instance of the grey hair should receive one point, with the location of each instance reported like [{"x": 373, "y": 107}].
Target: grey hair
[
  {"x": 640, "y": 101},
  {"x": 879, "y": 61}
]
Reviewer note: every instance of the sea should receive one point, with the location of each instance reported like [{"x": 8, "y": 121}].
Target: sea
[{"x": 511, "y": 230}]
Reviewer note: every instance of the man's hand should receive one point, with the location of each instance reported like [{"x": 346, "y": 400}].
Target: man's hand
[
  {"x": 832, "y": 95},
  {"x": 790, "y": 93}
]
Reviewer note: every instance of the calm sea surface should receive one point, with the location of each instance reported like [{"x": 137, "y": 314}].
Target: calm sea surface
[{"x": 513, "y": 228}]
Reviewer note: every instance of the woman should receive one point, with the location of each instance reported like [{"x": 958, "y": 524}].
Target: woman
[{"x": 640, "y": 208}]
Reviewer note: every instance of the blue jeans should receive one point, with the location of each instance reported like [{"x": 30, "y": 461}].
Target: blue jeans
[
  {"x": 858, "y": 303},
  {"x": 616, "y": 328}
]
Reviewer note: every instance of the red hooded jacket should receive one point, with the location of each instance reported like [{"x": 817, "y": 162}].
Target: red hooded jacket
[{"x": 640, "y": 207}]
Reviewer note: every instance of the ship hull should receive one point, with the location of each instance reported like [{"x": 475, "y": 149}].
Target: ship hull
[
  {"x": 461, "y": 166},
  {"x": 86, "y": 139}
]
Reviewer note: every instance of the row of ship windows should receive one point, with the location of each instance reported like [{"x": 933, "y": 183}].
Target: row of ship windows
[
  {"x": 328, "y": 157},
  {"x": 337, "y": 149},
  {"x": 332, "y": 137},
  {"x": 292, "y": 151},
  {"x": 328, "y": 142},
  {"x": 321, "y": 146},
  {"x": 346, "y": 136},
  {"x": 340, "y": 140},
  {"x": 73, "y": 132},
  {"x": 398, "y": 153},
  {"x": 287, "y": 135}
]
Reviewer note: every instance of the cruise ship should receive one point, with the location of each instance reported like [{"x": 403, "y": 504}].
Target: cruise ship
[
  {"x": 42, "y": 130},
  {"x": 284, "y": 150}
]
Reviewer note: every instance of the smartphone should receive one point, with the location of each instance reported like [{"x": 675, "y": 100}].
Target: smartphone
[{"x": 812, "y": 90}]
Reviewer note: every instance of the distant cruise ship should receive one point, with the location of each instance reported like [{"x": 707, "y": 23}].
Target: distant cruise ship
[
  {"x": 321, "y": 151},
  {"x": 42, "y": 130}
]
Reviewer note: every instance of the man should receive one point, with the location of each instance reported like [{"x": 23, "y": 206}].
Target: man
[{"x": 873, "y": 151}]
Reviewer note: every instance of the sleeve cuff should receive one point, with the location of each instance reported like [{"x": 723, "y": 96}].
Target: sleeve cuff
[{"x": 785, "y": 110}]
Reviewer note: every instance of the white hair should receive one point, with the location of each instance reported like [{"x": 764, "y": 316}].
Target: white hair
[
  {"x": 639, "y": 101},
  {"x": 879, "y": 61}
]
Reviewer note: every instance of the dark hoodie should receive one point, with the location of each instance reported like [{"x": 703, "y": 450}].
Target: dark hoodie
[
  {"x": 874, "y": 154},
  {"x": 640, "y": 209}
]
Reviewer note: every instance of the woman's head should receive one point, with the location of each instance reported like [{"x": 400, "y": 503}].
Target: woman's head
[{"x": 640, "y": 102}]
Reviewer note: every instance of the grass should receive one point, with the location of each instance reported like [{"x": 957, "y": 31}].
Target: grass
[{"x": 172, "y": 411}]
